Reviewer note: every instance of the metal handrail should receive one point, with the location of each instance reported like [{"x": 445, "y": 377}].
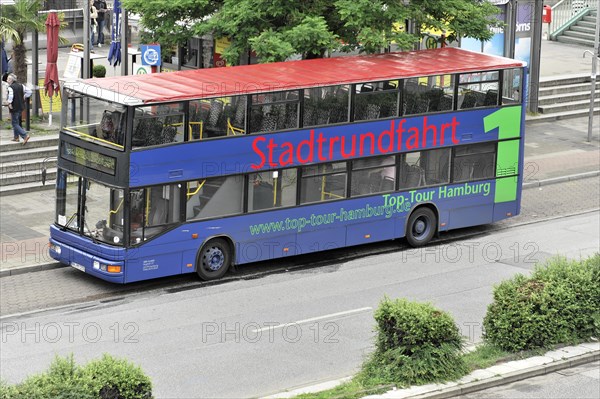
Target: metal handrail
[{"x": 566, "y": 12}]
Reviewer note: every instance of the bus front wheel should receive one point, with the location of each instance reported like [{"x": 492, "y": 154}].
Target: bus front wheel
[
  {"x": 421, "y": 227},
  {"x": 214, "y": 259}
]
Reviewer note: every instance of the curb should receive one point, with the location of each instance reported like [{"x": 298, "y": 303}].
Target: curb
[
  {"x": 560, "y": 179},
  {"x": 438, "y": 391},
  {"x": 509, "y": 377},
  {"x": 30, "y": 269}
]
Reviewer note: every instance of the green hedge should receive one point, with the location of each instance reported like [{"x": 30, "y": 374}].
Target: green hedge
[
  {"x": 106, "y": 378},
  {"x": 559, "y": 303},
  {"x": 415, "y": 344}
]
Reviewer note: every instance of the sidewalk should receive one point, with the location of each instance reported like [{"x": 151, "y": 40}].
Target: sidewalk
[{"x": 552, "y": 150}]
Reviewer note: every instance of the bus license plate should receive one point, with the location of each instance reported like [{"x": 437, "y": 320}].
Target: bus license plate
[{"x": 78, "y": 266}]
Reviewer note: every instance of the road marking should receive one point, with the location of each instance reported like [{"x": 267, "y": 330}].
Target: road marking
[{"x": 327, "y": 316}]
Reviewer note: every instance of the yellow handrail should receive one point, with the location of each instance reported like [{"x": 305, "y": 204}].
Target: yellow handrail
[
  {"x": 232, "y": 128},
  {"x": 191, "y": 137},
  {"x": 197, "y": 189},
  {"x": 111, "y": 212},
  {"x": 94, "y": 137},
  {"x": 324, "y": 193},
  {"x": 147, "y": 205}
]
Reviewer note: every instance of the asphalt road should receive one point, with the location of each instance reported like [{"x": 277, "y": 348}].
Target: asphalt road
[
  {"x": 58, "y": 287},
  {"x": 249, "y": 338}
]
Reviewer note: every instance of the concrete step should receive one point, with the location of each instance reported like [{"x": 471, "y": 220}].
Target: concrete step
[
  {"x": 26, "y": 188},
  {"x": 27, "y": 153},
  {"x": 566, "y": 97},
  {"x": 564, "y": 80},
  {"x": 571, "y": 88},
  {"x": 568, "y": 106},
  {"x": 27, "y": 165},
  {"x": 588, "y": 20},
  {"x": 34, "y": 142},
  {"x": 578, "y": 35},
  {"x": 28, "y": 176},
  {"x": 583, "y": 29},
  {"x": 576, "y": 41},
  {"x": 560, "y": 115},
  {"x": 586, "y": 23}
]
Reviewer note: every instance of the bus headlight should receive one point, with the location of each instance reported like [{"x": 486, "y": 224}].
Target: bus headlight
[
  {"x": 106, "y": 268},
  {"x": 55, "y": 248}
]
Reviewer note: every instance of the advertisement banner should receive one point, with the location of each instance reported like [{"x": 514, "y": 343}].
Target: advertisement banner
[{"x": 495, "y": 46}]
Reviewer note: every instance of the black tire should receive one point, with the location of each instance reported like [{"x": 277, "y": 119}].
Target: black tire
[
  {"x": 213, "y": 259},
  {"x": 421, "y": 227}
]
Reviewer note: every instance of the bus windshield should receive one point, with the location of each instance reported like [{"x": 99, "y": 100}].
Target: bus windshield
[{"x": 90, "y": 208}]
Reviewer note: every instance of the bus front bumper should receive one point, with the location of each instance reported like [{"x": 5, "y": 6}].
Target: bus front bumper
[{"x": 95, "y": 265}]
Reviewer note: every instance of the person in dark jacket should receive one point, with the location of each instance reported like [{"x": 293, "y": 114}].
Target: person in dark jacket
[
  {"x": 15, "y": 102},
  {"x": 102, "y": 9}
]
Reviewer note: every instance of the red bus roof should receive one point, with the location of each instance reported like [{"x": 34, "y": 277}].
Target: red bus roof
[{"x": 218, "y": 82}]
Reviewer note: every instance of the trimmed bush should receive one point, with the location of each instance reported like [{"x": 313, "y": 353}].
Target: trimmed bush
[
  {"x": 99, "y": 71},
  {"x": 107, "y": 378},
  {"x": 559, "y": 303},
  {"x": 416, "y": 343},
  {"x": 110, "y": 378}
]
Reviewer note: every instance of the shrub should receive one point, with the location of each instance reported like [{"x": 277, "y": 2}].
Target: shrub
[
  {"x": 99, "y": 71},
  {"x": 411, "y": 326},
  {"x": 559, "y": 303},
  {"x": 416, "y": 343},
  {"x": 116, "y": 378},
  {"x": 107, "y": 378},
  {"x": 62, "y": 380}
]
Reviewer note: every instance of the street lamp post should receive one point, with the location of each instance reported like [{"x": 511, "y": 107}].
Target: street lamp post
[{"x": 595, "y": 56}]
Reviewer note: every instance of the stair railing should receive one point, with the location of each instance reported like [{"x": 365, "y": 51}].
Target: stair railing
[
  {"x": 45, "y": 168},
  {"x": 566, "y": 12}
]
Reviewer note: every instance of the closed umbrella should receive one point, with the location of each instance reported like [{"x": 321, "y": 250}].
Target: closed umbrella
[
  {"x": 114, "y": 52},
  {"x": 51, "y": 83}
]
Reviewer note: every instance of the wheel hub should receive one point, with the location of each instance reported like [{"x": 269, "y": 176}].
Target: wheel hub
[
  {"x": 215, "y": 259},
  {"x": 420, "y": 227}
]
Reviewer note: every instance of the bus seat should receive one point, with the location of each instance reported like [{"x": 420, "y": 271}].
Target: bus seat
[
  {"x": 469, "y": 100},
  {"x": 387, "y": 183},
  {"x": 216, "y": 108},
  {"x": 491, "y": 98},
  {"x": 191, "y": 206},
  {"x": 415, "y": 177},
  {"x": 445, "y": 103},
  {"x": 422, "y": 105},
  {"x": 158, "y": 213}
]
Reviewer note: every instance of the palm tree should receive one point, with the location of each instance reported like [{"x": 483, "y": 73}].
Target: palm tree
[
  {"x": 6, "y": 29},
  {"x": 18, "y": 19}
]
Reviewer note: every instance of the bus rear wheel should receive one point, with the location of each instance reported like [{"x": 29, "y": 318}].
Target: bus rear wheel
[
  {"x": 213, "y": 259},
  {"x": 421, "y": 227}
]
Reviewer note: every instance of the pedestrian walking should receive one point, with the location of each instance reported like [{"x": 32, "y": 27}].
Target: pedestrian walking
[
  {"x": 93, "y": 24},
  {"x": 15, "y": 101},
  {"x": 102, "y": 8}
]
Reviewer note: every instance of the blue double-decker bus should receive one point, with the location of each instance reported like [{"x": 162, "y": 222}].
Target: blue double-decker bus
[{"x": 195, "y": 171}]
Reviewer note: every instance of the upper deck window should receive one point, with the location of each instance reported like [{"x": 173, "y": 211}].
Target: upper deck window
[
  {"x": 217, "y": 117},
  {"x": 99, "y": 120},
  {"x": 479, "y": 89},
  {"x": 375, "y": 100},
  {"x": 158, "y": 124},
  {"x": 428, "y": 94},
  {"x": 274, "y": 111},
  {"x": 325, "y": 105}
]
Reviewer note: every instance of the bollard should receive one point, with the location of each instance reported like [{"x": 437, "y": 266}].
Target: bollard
[{"x": 28, "y": 114}]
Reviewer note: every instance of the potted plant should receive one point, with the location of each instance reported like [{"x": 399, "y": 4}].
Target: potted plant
[{"x": 99, "y": 71}]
